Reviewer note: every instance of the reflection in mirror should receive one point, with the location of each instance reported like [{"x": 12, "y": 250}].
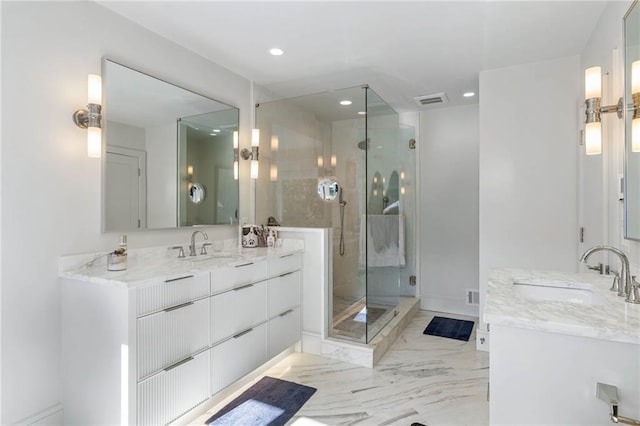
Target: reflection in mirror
[
  {"x": 161, "y": 140},
  {"x": 328, "y": 188},
  {"x": 632, "y": 122},
  {"x": 196, "y": 193}
]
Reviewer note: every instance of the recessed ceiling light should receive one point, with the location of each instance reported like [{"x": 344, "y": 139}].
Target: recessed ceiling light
[
  {"x": 216, "y": 130},
  {"x": 469, "y": 94},
  {"x": 346, "y": 102},
  {"x": 213, "y": 134},
  {"x": 362, "y": 113},
  {"x": 276, "y": 51}
]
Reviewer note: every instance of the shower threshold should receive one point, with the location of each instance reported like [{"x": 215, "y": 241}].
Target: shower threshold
[
  {"x": 362, "y": 319},
  {"x": 367, "y": 355}
]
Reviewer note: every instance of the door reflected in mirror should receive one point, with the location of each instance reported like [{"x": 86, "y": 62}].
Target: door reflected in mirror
[{"x": 165, "y": 147}]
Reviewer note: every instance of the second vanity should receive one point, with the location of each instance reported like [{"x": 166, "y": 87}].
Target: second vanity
[
  {"x": 554, "y": 336},
  {"x": 150, "y": 344}
]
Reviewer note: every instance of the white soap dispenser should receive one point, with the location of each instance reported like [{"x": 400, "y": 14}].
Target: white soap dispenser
[{"x": 271, "y": 240}]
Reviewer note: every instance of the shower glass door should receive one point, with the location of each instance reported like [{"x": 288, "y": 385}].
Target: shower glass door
[
  {"x": 385, "y": 225},
  {"x": 352, "y": 136}
]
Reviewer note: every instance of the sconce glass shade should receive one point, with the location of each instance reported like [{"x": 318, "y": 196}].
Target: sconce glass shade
[
  {"x": 236, "y": 142},
  {"x": 334, "y": 160},
  {"x": 274, "y": 173},
  {"x": 635, "y": 135},
  {"x": 255, "y": 137},
  {"x": 190, "y": 170},
  {"x": 94, "y": 142},
  {"x": 635, "y": 77},
  {"x": 320, "y": 161},
  {"x": 235, "y": 170},
  {"x": 274, "y": 142},
  {"x": 593, "y": 138},
  {"x": 254, "y": 169},
  {"x": 592, "y": 83},
  {"x": 94, "y": 86}
]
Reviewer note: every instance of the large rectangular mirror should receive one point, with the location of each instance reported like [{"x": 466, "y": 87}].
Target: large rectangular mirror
[
  {"x": 632, "y": 122},
  {"x": 169, "y": 155}
]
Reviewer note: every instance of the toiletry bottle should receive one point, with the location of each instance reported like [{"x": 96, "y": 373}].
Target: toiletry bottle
[
  {"x": 122, "y": 247},
  {"x": 271, "y": 240}
]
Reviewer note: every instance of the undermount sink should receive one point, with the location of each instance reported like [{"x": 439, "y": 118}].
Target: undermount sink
[
  {"x": 203, "y": 257},
  {"x": 559, "y": 291}
]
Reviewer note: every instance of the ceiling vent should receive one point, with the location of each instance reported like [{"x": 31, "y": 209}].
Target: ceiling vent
[{"x": 432, "y": 99}]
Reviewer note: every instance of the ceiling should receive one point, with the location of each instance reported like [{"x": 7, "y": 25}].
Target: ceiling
[{"x": 401, "y": 49}]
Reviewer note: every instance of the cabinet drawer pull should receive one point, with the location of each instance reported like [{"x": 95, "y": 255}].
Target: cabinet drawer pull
[
  {"x": 286, "y": 255},
  {"x": 243, "y": 333},
  {"x": 178, "y": 364},
  {"x": 287, "y": 273},
  {"x": 244, "y": 264},
  {"x": 286, "y": 313},
  {"x": 242, "y": 287},
  {"x": 178, "y": 279},
  {"x": 182, "y": 305}
]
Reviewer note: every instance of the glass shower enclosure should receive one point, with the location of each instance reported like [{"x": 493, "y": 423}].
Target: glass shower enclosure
[{"x": 351, "y": 136}]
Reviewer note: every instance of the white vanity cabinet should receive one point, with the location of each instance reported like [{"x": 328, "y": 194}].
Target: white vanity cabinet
[
  {"x": 130, "y": 353},
  {"x": 254, "y": 315},
  {"x": 149, "y": 351}
]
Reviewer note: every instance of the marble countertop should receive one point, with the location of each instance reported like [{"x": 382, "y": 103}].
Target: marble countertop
[
  {"x": 150, "y": 265},
  {"x": 613, "y": 320}
]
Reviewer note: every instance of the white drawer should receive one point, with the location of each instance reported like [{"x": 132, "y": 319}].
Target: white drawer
[
  {"x": 284, "y": 263},
  {"x": 169, "y": 336},
  {"x": 237, "y": 357},
  {"x": 237, "y": 310},
  {"x": 283, "y": 293},
  {"x": 164, "y": 397},
  {"x": 284, "y": 331},
  {"x": 172, "y": 292},
  {"x": 227, "y": 277}
]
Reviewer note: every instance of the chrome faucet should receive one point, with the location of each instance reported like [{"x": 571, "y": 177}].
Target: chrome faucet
[
  {"x": 626, "y": 286},
  {"x": 192, "y": 246}
]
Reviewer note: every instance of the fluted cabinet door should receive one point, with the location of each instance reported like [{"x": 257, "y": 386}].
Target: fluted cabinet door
[
  {"x": 172, "y": 335},
  {"x": 283, "y": 293},
  {"x": 283, "y": 331},
  {"x": 237, "y": 310},
  {"x": 238, "y": 356},
  {"x": 164, "y": 397},
  {"x": 171, "y": 292}
]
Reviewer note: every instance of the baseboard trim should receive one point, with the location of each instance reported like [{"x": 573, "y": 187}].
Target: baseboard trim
[
  {"x": 449, "y": 306},
  {"x": 48, "y": 416}
]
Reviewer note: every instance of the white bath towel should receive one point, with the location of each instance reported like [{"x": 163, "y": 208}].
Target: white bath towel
[{"x": 383, "y": 237}]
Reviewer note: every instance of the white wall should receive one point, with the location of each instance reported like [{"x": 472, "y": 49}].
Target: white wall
[
  {"x": 449, "y": 208},
  {"x": 47, "y": 51},
  {"x": 607, "y": 36},
  {"x": 528, "y": 139}
]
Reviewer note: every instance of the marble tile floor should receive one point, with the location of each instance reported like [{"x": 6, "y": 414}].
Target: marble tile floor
[{"x": 426, "y": 379}]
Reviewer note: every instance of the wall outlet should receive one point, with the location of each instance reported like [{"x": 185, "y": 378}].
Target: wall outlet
[{"x": 473, "y": 297}]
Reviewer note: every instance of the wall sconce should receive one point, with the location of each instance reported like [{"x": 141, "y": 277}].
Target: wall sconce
[
  {"x": 593, "y": 97},
  {"x": 90, "y": 118},
  {"x": 236, "y": 156},
  {"x": 254, "y": 153},
  {"x": 635, "y": 93}
]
